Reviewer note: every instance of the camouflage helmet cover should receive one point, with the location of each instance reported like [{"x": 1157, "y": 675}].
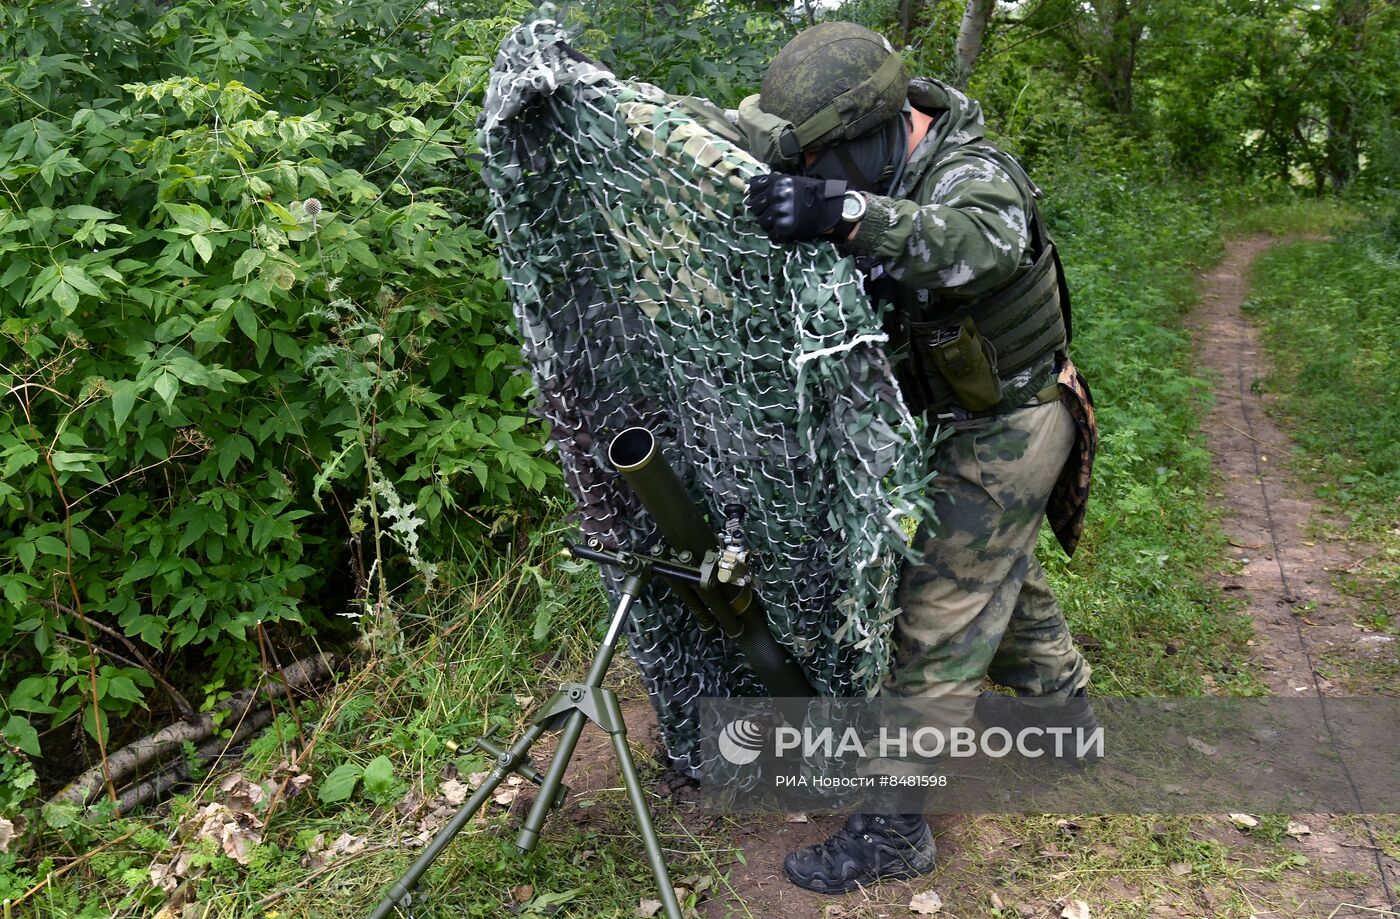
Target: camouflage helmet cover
[{"x": 835, "y": 81}]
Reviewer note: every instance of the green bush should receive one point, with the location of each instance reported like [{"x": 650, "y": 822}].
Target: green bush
[{"x": 254, "y": 349}]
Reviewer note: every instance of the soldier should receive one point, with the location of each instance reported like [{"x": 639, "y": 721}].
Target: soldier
[{"x": 898, "y": 173}]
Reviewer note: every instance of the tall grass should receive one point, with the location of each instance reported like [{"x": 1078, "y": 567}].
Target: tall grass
[{"x": 1132, "y": 246}]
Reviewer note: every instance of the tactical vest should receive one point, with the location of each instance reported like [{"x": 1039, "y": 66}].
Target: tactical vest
[{"x": 1026, "y": 322}]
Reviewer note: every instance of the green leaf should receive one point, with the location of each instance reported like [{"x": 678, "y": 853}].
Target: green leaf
[
  {"x": 21, "y": 733},
  {"x": 81, "y": 544},
  {"x": 192, "y": 217},
  {"x": 340, "y": 784},
  {"x": 166, "y": 386},
  {"x": 17, "y": 268},
  {"x": 203, "y": 246},
  {"x": 33, "y": 694},
  {"x": 71, "y": 461},
  {"x": 16, "y": 594},
  {"x": 52, "y": 545},
  {"x": 122, "y": 687},
  {"x": 548, "y": 899},
  {"x": 76, "y": 278},
  {"x": 247, "y": 321},
  {"x": 544, "y": 616},
  {"x": 379, "y": 776},
  {"x": 247, "y": 262},
  {"x": 123, "y": 399},
  {"x": 65, "y": 296},
  {"x": 60, "y": 815},
  {"x": 85, "y": 212},
  {"x": 97, "y": 725}
]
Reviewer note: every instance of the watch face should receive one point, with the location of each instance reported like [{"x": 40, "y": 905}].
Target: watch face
[{"x": 853, "y": 207}]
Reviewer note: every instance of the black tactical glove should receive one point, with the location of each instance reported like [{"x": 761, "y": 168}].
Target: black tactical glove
[{"x": 795, "y": 207}]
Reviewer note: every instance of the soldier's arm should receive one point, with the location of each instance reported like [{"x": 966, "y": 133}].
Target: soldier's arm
[{"x": 969, "y": 240}]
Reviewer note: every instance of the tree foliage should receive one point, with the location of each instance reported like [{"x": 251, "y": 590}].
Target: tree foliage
[
  {"x": 255, "y": 363},
  {"x": 1287, "y": 90}
]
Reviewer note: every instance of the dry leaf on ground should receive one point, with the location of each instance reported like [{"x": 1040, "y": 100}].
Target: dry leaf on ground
[
  {"x": 647, "y": 909},
  {"x": 291, "y": 773},
  {"x": 1075, "y": 909},
  {"x": 1244, "y": 821},
  {"x": 454, "y": 792},
  {"x": 236, "y": 833},
  {"x": 926, "y": 903},
  {"x": 240, "y": 795},
  {"x": 698, "y": 882},
  {"x": 319, "y": 855},
  {"x": 1295, "y": 830},
  {"x": 7, "y": 833}
]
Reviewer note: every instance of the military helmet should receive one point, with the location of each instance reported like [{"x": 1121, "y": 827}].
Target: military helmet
[{"x": 834, "y": 81}]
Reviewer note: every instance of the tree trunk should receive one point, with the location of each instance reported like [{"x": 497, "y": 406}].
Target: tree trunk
[
  {"x": 970, "y": 34},
  {"x": 906, "y": 21},
  {"x": 1342, "y": 148},
  {"x": 1121, "y": 22}
]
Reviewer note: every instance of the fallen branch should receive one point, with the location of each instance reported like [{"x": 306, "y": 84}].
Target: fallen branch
[
  {"x": 1238, "y": 431},
  {"x": 164, "y": 782},
  {"x": 124, "y": 763}
]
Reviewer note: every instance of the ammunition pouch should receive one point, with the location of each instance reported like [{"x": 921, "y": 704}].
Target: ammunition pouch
[{"x": 966, "y": 361}]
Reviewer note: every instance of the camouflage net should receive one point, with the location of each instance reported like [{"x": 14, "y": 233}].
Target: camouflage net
[{"x": 644, "y": 296}]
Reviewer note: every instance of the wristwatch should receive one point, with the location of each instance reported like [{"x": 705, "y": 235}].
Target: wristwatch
[{"x": 853, "y": 207}]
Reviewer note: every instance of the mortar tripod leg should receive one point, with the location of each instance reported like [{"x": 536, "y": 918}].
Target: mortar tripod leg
[
  {"x": 549, "y": 786},
  {"x": 669, "y": 903}
]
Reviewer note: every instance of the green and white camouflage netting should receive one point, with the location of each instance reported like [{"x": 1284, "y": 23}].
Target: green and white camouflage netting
[{"x": 644, "y": 295}]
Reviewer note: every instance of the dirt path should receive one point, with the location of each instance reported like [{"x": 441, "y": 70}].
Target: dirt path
[{"x": 1285, "y": 548}]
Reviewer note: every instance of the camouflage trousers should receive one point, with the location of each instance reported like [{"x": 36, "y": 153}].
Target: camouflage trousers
[{"x": 979, "y": 603}]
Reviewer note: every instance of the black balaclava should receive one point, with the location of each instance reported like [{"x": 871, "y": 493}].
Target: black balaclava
[{"x": 873, "y": 162}]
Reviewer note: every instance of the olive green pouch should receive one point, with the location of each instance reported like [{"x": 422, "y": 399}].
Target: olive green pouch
[{"x": 968, "y": 362}]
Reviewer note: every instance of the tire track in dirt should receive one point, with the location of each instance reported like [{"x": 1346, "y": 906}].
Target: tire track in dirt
[{"x": 1285, "y": 549}]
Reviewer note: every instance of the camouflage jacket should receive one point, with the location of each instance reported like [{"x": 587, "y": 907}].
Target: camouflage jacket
[{"x": 957, "y": 227}]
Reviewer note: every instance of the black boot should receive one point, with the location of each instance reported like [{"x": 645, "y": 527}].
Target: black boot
[{"x": 870, "y": 847}]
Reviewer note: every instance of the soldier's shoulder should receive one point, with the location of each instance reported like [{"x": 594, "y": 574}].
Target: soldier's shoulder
[{"x": 984, "y": 163}]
